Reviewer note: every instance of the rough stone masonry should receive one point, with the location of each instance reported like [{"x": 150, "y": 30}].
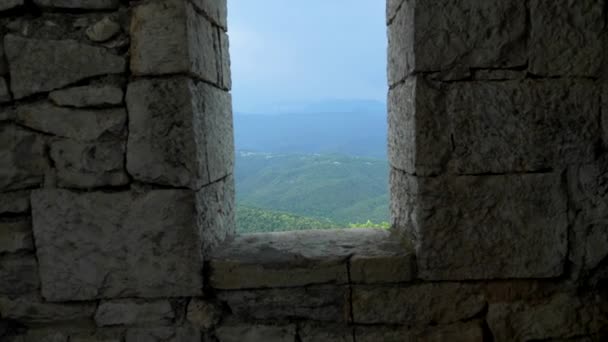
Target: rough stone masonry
[{"x": 117, "y": 193}]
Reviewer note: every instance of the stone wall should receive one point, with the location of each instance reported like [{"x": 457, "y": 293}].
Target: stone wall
[{"x": 116, "y": 188}]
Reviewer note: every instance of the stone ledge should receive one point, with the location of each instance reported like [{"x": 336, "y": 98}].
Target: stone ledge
[{"x": 290, "y": 259}]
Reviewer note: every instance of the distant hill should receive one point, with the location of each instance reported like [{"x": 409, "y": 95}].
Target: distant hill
[
  {"x": 255, "y": 220},
  {"x": 332, "y": 189}
]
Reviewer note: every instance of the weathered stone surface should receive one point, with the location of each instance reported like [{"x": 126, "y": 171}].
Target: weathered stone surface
[
  {"x": 103, "y": 30},
  {"x": 171, "y": 37},
  {"x": 256, "y": 333},
  {"x": 79, "y": 4},
  {"x": 15, "y": 202},
  {"x": 566, "y": 37},
  {"x": 66, "y": 62},
  {"x": 16, "y": 236},
  {"x": 588, "y": 192},
  {"x": 100, "y": 335},
  {"x": 169, "y": 334},
  {"x": 19, "y": 275},
  {"x": 129, "y": 312},
  {"x": 22, "y": 158},
  {"x": 436, "y": 35},
  {"x": 216, "y": 206},
  {"x": 563, "y": 316},
  {"x": 78, "y": 124},
  {"x": 9, "y": 4},
  {"x": 7, "y": 114},
  {"x": 327, "y": 333},
  {"x": 216, "y": 11},
  {"x": 318, "y": 303},
  {"x": 459, "y": 332},
  {"x": 307, "y": 257},
  {"x": 505, "y": 127},
  {"x": 387, "y": 262},
  {"x": 180, "y": 133},
  {"x": 76, "y": 233},
  {"x": 392, "y": 6},
  {"x": 483, "y": 227},
  {"x": 498, "y": 75},
  {"x": 89, "y": 165},
  {"x": 418, "y": 135},
  {"x": 33, "y": 310},
  {"x": 5, "y": 94},
  {"x": 421, "y": 304},
  {"x": 3, "y": 64},
  {"x": 88, "y": 96},
  {"x": 203, "y": 314}
]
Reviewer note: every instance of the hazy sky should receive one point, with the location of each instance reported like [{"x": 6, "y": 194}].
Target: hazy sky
[{"x": 295, "y": 51}]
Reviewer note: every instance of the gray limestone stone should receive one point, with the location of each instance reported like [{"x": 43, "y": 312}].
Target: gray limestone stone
[
  {"x": 566, "y": 37},
  {"x": 7, "y": 114},
  {"x": 512, "y": 126},
  {"x": 171, "y": 37},
  {"x": 66, "y": 62},
  {"x": 203, "y": 314},
  {"x": 77, "y": 124},
  {"x": 5, "y": 94},
  {"x": 313, "y": 332},
  {"x": 16, "y": 236},
  {"x": 418, "y": 134},
  {"x": 216, "y": 208},
  {"x": 318, "y": 303},
  {"x": 483, "y": 227},
  {"x": 32, "y": 310},
  {"x": 15, "y": 202},
  {"x": 459, "y": 332},
  {"x": 433, "y": 35},
  {"x": 22, "y": 158},
  {"x": 180, "y": 132},
  {"x": 139, "y": 244},
  {"x": 392, "y": 6},
  {"x": 420, "y": 305},
  {"x": 103, "y": 30},
  {"x": 89, "y": 165},
  {"x": 168, "y": 334},
  {"x": 80, "y": 4},
  {"x": 130, "y": 312},
  {"x": 3, "y": 64},
  {"x": 9, "y": 4},
  {"x": 19, "y": 275},
  {"x": 562, "y": 316},
  {"x": 309, "y": 257},
  {"x": 215, "y": 10},
  {"x": 88, "y": 96},
  {"x": 256, "y": 333},
  {"x": 588, "y": 186}
]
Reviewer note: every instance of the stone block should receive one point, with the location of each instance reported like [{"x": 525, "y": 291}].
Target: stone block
[
  {"x": 416, "y": 305},
  {"x": 66, "y": 62},
  {"x": 513, "y": 126},
  {"x": 435, "y": 35},
  {"x": 134, "y": 312},
  {"x": 170, "y": 37},
  {"x": 483, "y": 227},
  {"x": 89, "y": 165},
  {"x": 215, "y": 10},
  {"x": 255, "y": 333},
  {"x": 15, "y": 202},
  {"x": 138, "y": 244},
  {"x": 77, "y": 124},
  {"x": 313, "y": 332},
  {"x": 16, "y": 236},
  {"x": 563, "y": 316},
  {"x": 459, "y": 332},
  {"x": 168, "y": 334},
  {"x": 566, "y": 37},
  {"x": 79, "y": 4},
  {"x": 318, "y": 303},
  {"x": 10, "y": 4},
  {"x": 286, "y": 259},
  {"x": 216, "y": 205},
  {"x": 3, "y": 64},
  {"x": 19, "y": 275},
  {"x": 418, "y": 134},
  {"x": 5, "y": 93},
  {"x": 22, "y": 159},
  {"x": 203, "y": 314},
  {"x": 103, "y": 30},
  {"x": 88, "y": 96},
  {"x": 32, "y": 310},
  {"x": 180, "y": 132}
]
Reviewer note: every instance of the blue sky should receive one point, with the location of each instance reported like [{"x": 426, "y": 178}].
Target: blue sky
[{"x": 287, "y": 52}]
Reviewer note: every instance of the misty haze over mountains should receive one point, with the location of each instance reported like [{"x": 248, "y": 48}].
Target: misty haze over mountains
[{"x": 348, "y": 127}]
